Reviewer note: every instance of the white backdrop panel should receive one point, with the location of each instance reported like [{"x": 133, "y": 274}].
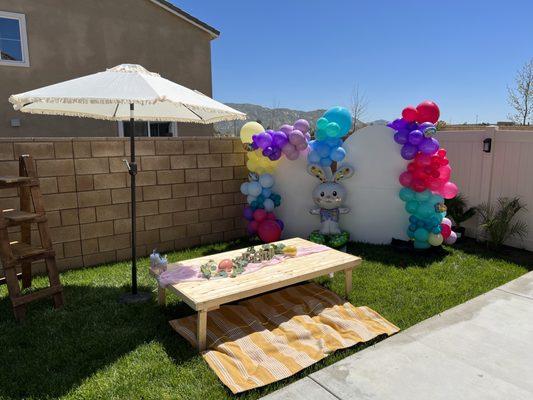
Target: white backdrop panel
[{"x": 377, "y": 214}]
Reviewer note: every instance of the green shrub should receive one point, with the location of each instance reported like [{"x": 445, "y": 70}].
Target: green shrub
[{"x": 497, "y": 221}]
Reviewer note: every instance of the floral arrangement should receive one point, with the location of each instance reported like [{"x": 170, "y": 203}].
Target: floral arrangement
[{"x": 234, "y": 267}]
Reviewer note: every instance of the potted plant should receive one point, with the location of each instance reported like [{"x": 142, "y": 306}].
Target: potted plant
[
  {"x": 499, "y": 223},
  {"x": 458, "y": 212}
]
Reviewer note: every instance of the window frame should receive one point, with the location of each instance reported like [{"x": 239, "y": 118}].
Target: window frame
[
  {"x": 21, "y": 18},
  {"x": 173, "y": 128}
]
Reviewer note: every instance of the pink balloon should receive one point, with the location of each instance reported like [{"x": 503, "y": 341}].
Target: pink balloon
[
  {"x": 288, "y": 148},
  {"x": 296, "y": 137},
  {"x": 406, "y": 178},
  {"x": 435, "y": 185},
  {"x": 302, "y": 125},
  {"x": 260, "y": 215},
  {"x": 301, "y": 146},
  {"x": 447, "y": 221},
  {"x": 449, "y": 190},
  {"x": 445, "y": 172},
  {"x": 292, "y": 156},
  {"x": 451, "y": 239},
  {"x": 269, "y": 231},
  {"x": 445, "y": 231},
  {"x": 286, "y": 129}
]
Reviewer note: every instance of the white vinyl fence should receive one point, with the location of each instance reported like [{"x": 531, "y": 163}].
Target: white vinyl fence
[{"x": 505, "y": 171}]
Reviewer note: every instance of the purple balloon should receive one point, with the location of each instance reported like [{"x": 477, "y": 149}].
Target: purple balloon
[
  {"x": 293, "y": 156},
  {"x": 296, "y": 137},
  {"x": 415, "y": 137},
  {"x": 279, "y": 139},
  {"x": 409, "y": 151},
  {"x": 276, "y": 154},
  {"x": 288, "y": 148},
  {"x": 286, "y": 129},
  {"x": 429, "y": 145},
  {"x": 401, "y": 137},
  {"x": 268, "y": 151},
  {"x": 428, "y": 129},
  {"x": 263, "y": 140},
  {"x": 302, "y": 125},
  {"x": 398, "y": 124},
  {"x": 248, "y": 213},
  {"x": 280, "y": 223},
  {"x": 307, "y": 135},
  {"x": 301, "y": 146}
]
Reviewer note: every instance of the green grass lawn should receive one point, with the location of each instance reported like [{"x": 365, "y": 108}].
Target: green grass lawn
[{"x": 96, "y": 348}]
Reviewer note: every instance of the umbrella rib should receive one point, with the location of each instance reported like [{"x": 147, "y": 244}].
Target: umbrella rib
[
  {"x": 188, "y": 108},
  {"x": 116, "y": 109}
]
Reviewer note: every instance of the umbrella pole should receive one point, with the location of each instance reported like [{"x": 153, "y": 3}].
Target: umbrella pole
[{"x": 134, "y": 296}]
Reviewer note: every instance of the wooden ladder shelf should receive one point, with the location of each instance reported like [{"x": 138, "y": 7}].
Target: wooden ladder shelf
[{"x": 20, "y": 254}]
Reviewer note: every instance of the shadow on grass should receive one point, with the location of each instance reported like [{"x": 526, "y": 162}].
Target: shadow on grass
[
  {"x": 513, "y": 255},
  {"x": 387, "y": 255},
  {"x": 53, "y": 351}
]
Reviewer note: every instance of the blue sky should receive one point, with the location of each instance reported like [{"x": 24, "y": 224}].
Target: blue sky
[{"x": 310, "y": 54}]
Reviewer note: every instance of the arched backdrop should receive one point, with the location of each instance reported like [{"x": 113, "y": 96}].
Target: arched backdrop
[{"x": 377, "y": 213}]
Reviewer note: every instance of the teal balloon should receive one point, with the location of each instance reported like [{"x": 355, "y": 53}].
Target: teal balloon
[
  {"x": 342, "y": 117},
  {"x": 333, "y": 129},
  {"x": 421, "y": 245},
  {"x": 421, "y": 235},
  {"x": 406, "y": 194},
  {"x": 423, "y": 196},
  {"x": 425, "y": 211},
  {"x": 321, "y": 135},
  {"x": 321, "y": 123},
  {"x": 436, "y": 199},
  {"x": 410, "y": 233},
  {"x": 411, "y": 206}
]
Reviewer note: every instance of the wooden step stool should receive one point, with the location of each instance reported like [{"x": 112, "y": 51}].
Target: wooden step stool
[{"x": 22, "y": 253}]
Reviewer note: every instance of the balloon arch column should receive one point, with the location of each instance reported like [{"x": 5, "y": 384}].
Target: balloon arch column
[{"x": 426, "y": 181}]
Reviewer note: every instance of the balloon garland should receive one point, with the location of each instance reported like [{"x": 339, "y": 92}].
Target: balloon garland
[
  {"x": 426, "y": 181},
  {"x": 265, "y": 148},
  {"x": 326, "y": 149}
]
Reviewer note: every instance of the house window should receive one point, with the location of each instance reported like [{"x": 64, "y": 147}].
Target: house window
[
  {"x": 13, "y": 40},
  {"x": 149, "y": 129}
]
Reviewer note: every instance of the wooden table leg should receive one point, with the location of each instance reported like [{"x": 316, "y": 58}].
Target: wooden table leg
[
  {"x": 161, "y": 295},
  {"x": 348, "y": 281},
  {"x": 202, "y": 330}
]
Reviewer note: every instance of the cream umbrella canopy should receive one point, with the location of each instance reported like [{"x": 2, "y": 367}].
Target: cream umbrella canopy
[{"x": 127, "y": 92}]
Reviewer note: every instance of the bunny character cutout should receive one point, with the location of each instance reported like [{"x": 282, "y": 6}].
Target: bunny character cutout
[{"x": 329, "y": 196}]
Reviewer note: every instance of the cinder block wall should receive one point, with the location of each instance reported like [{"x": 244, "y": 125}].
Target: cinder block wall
[{"x": 188, "y": 194}]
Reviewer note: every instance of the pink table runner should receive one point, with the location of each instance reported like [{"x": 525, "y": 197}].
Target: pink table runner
[{"x": 178, "y": 272}]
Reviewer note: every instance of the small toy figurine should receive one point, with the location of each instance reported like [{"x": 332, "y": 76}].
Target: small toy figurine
[{"x": 157, "y": 263}]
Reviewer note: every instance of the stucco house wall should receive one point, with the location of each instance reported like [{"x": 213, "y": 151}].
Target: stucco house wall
[{"x": 68, "y": 39}]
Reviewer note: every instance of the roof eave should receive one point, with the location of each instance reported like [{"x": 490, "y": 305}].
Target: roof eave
[{"x": 214, "y": 33}]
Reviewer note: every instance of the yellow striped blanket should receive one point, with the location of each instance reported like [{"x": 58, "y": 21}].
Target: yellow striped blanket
[{"x": 273, "y": 336}]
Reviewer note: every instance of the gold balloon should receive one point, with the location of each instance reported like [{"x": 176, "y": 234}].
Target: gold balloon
[
  {"x": 435, "y": 239},
  {"x": 249, "y": 129}
]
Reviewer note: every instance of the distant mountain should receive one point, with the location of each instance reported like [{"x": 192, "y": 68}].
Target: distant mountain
[{"x": 270, "y": 118}]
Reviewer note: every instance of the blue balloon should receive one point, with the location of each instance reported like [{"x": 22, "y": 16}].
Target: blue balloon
[
  {"x": 266, "y": 180},
  {"x": 436, "y": 230},
  {"x": 313, "y": 157},
  {"x": 254, "y": 188},
  {"x": 244, "y": 188},
  {"x": 325, "y": 162},
  {"x": 410, "y": 233},
  {"x": 322, "y": 149},
  {"x": 413, "y": 219},
  {"x": 338, "y": 154},
  {"x": 269, "y": 205},
  {"x": 266, "y": 193},
  {"x": 334, "y": 142},
  {"x": 250, "y": 199},
  {"x": 411, "y": 206}
]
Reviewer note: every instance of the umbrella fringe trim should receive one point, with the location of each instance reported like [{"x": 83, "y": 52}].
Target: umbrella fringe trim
[
  {"x": 137, "y": 118},
  {"x": 18, "y": 103}
]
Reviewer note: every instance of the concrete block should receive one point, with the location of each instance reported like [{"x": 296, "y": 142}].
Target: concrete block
[
  {"x": 220, "y": 146},
  {"x": 169, "y": 147},
  {"x": 209, "y": 187},
  {"x": 224, "y": 199},
  {"x": 59, "y": 201},
  {"x": 185, "y": 190},
  {"x": 212, "y": 238},
  {"x": 55, "y": 167},
  {"x": 48, "y": 185},
  {"x": 115, "y": 211},
  {"x": 209, "y": 160},
  {"x": 114, "y": 242},
  {"x": 232, "y": 186},
  {"x": 38, "y": 150},
  {"x": 196, "y": 146},
  {"x": 107, "y": 148},
  {"x": 151, "y": 163},
  {"x": 72, "y": 249},
  {"x": 87, "y": 215},
  {"x": 6, "y": 151},
  {"x": 63, "y": 149},
  {"x": 522, "y": 286},
  {"x": 147, "y": 208},
  {"x": 185, "y": 217},
  {"x": 170, "y": 176},
  {"x": 200, "y": 202},
  {"x": 171, "y": 205},
  {"x": 84, "y": 182},
  {"x": 143, "y": 147},
  {"x": 94, "y": 198},
  {"x": 92, "y": 166},
  {"x": 66, "y": 183},
  {"x": 183, "y": 162},
  {"x": 211, "y": 214},
  {"x": 96, "y": 229},
  {"x": 81, "y": 149},
  {"x": 157, "y": 192},
  {"x": 232, "y": 160},
  {"x": 157, "y": 221},
  {"x": 69, "y": 217},
  {"x": 173, "y": 233},
  {"x": 110, "y": 181},
  {"x": 223, "y": 173},
  {"x": 63, "y": 234},
  {"x": 198, "y": 229},
  {"x": 197, "y": 175},
  {"x": 124, "y": 225}
]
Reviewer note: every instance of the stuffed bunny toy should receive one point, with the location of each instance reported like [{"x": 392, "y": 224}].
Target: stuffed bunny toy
[{"x": 329, "y": 196}]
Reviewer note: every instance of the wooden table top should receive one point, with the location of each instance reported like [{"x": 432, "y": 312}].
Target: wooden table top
[{"x": 209, "y": 294}]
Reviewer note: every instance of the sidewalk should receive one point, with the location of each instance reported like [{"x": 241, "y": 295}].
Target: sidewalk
[{"x": 482, "y": 349}]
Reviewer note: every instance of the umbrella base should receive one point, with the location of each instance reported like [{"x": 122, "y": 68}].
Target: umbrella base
[{"x": 130, "y": 298}]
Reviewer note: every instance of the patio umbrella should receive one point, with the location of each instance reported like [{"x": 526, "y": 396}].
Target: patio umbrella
[{"x": 125, "y": 92}]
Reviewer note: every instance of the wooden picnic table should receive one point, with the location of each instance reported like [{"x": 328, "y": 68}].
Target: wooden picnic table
[{"x": 207, "y": 295}]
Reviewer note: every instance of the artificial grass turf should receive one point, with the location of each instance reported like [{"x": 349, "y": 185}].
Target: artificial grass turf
[{"x": 96, "y": 348}]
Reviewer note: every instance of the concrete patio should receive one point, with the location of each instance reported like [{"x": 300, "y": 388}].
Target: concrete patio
[{"x": 482, "y": 349}]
